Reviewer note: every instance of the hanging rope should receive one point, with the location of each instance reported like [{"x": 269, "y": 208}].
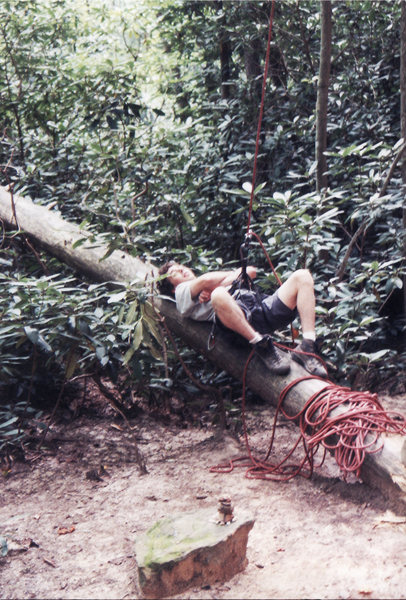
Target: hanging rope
[{"x": 261, "y": 113}]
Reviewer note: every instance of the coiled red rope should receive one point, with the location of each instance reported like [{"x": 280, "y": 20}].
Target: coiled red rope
[{"x": 345, "y": 422}]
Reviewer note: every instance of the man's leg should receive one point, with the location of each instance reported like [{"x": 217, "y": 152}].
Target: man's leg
[
  {"x": 232, "y": 316},
  {"x": 298, "y": 292}
]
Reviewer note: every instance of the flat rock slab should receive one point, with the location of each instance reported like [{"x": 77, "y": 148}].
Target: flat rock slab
[{"x": 191, "y": 549}]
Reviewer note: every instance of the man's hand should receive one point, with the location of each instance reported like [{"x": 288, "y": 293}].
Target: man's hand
[
  {"x": 210, "y": 281},
  {"x": 204, "y": 296}
]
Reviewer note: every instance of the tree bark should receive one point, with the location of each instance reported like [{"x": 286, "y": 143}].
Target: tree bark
[
  {"x": 225, "y": 65},
  {"x": 322, "y": 95},
  {"x": 403, "y": 127},
  {"x": 385, "y": 469},
  {"x": 253, "y": 70},
  {"x": 225, "y": 54}
]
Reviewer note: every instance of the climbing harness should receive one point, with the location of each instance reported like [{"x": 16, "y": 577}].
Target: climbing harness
[{"x": 351, "y": 433}]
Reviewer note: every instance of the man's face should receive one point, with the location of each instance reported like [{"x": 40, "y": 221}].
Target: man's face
[{"x": 178, "y": 273}]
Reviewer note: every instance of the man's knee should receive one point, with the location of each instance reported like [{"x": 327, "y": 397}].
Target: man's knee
[
  {"x": 302, "y": 277},
  {"x": 220, "y": 298}
]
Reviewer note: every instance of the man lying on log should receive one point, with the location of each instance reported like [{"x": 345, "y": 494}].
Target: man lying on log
[{"x": 217, "y": 297}]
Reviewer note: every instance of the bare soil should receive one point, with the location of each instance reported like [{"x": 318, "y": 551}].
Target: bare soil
[{"x": 72, "y": 513}]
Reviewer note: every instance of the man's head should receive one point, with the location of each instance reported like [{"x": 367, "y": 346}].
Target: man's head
[{"x": 175, "y": 274}]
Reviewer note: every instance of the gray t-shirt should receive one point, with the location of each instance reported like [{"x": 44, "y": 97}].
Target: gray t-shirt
[{"x": 188, "y": 307}]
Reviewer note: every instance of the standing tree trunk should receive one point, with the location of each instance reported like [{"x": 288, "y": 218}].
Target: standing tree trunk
[
  {"x": 322, "y": 95},
  {"x": 253, "y": 70},
  {"x": 403, "y": 126},
  {"x": 225, "y": 62},
  {"x": 225, "y": 54}
]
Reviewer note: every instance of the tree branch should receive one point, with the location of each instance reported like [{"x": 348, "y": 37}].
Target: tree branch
[{"x": 363, "y": 227}]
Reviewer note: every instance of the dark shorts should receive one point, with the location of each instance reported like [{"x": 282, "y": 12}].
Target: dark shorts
[{"x": 265, "y": 314}]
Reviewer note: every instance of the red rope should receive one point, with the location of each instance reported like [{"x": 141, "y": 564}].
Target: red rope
[
  {"x": 350, "y": 434},
  {"x": 261, "y": 113},
  {"x": 267, "y": 256},
  {"x": 358, "y": 420}
]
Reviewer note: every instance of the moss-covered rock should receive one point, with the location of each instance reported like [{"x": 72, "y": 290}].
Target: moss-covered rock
[{"x": 191, "y": 549}]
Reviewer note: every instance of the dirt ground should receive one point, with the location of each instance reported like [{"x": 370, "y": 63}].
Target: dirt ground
[{"x": 72, "y": 525}]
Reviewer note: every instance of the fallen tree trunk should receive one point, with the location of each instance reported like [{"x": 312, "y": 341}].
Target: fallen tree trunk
[{"x": 385, "y": 469}]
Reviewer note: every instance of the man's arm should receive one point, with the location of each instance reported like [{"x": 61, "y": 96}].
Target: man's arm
[
  {"x": 209, "y": 281},
  {"x": 228, "y": 280}
]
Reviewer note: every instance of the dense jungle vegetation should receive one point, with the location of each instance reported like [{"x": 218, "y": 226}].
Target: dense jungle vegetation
[{"x": 138, "y": 121}]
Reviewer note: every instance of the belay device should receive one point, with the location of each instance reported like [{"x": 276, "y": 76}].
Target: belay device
[{"x": 243, "y": 280}]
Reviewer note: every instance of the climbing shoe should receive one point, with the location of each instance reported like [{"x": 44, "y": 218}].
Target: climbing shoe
[
  {"x": 306, "y": 354},
  {"x": 275, "y": 361}
]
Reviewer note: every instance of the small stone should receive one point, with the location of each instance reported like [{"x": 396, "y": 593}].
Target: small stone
[{"x": 190, "y": 550}]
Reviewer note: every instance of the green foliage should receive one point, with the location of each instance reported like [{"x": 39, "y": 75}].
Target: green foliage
[
  {"x": 55, "y": 328},
  {"x": 83, "y": 328}
]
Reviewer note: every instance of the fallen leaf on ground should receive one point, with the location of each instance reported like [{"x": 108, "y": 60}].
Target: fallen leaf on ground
[
  {"x": 115, "y": 426},
  {"x": 49, "y": 562},
  {"x": 65, "y": 530}
]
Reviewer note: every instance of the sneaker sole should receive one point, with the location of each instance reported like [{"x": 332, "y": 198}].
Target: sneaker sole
[
  {"x": 275, "y": 371},
  {"x": 297, "y": 358}
]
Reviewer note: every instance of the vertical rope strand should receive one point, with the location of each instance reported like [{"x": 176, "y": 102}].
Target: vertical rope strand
[{"x": 261, "y": 113}]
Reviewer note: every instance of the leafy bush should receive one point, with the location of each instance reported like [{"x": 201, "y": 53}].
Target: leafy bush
[
  {"x": 55, "y": 328},
  {"x": 14, "y": 418}
]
